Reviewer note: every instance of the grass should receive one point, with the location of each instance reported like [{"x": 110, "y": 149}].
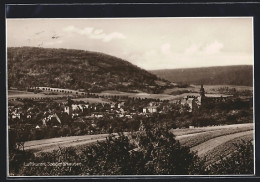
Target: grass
[
  {"x": 182, "y": 132},
  {"x": 225, "y": 149},
  {"x": 92, "y": 100},
  {"x": 186, "y": 131},
  {"x": 12, "y": 94},
  {"x": 208, "y": 88},
  {"x": 137, "y": 95},
  {"x": 205, "y": 136},
  {"x": 15, "y": 103}
]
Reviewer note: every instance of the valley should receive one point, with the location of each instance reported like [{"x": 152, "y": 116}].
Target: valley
[{"x": 65, "y": 103}]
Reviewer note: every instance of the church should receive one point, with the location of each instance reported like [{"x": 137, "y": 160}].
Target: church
[{"x": 195, "y": 102}]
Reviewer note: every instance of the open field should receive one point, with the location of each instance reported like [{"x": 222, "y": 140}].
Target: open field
[
  {"x": 47, "y": 145},
  {"x": 202, "y": 139},
  {"x": 137, "y": 95},
  {"x": 237, "y": 87},
  {"x": 154, "y": 96},
  {"x": 92, "y": 100},
  {"x": 186, "y": 131},
  {"x": 225, "y": 149},
  {"x": 208, "y": 88},
  {"x": 13, "y": 94},
  {"x": 204, "y": 147}
]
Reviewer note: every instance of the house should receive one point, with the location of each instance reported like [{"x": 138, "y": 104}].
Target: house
[
  {"x": 112, "y": 106},
  {"x": 192, "y": 101},
  {"x": 120, "y": 105},
  {"x": 150, "y": 109},
  {"x": 68, "y": 110},
  {"x": 54, "y": 118},
  {"x": 74, "y": 107},
  {"x": 122, "y": 110},
  {"x": 16, "y": 115}
]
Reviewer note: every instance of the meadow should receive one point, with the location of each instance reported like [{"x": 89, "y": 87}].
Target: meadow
[
  {"x": 225, "y": 149},
  {"x": 195, "y": 139}
]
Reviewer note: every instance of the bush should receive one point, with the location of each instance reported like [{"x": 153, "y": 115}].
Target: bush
[{"x": 148, "y": 152}]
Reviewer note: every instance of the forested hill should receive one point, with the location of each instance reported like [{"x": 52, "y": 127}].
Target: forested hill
[
  {"x": 220, "y": 75},
  {"x": 76, "y": 69}
]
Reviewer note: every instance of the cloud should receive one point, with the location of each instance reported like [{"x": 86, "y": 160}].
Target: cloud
[
  {"x": 84, "y": 31},
  {"x": 114, "y": 35},
  {"x": 97, "y": 36},
  {"x": 197, "y": 55},
  {"x": 98, "y": 31},
  {"x": 194, "y": 48},
  {"x": 93, "y": 33},
  {"x": 212, "y": 48},
  {"x": 208, "y": 49}
]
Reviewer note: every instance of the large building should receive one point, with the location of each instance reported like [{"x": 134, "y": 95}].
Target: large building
[
  {"x": 195, "y": 102},
  {"x": 152, "y": 108}
]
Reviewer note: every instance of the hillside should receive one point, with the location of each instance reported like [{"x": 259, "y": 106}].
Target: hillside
[
  {"x": 76, "y": 69},
  {"x": 220, "y": 75}
]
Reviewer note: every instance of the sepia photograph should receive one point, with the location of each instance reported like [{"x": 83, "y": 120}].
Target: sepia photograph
[{"x": 130, "y": 96}]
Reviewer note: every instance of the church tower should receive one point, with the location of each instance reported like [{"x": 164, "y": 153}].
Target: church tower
[
  {"x": 202, "y": 94},
  {"x": 202, "y": 91}
]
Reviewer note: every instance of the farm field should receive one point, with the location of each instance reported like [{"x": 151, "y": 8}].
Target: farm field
[
  {"x": 186, "y": 131},
  {"x": 225, "y": 149},
  {"x": 47, "y": 145},
  {"x": 208, "y": 88},
  {"x": 92, "y": 100},
  {"x": 212, "y": 143},
  {"x": 204, "y": 140},
  {"x": 136, "y": 95},
  {"x": 12, "y": 94},
  {"x": 153, "y": 96},
  {"x": 196, "y": 138}
]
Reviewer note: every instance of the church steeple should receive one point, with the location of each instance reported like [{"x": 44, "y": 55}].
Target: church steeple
[{"x": 202, "y": 91}]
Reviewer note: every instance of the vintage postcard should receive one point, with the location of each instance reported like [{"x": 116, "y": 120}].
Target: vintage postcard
[{"x": 130, "y": 96}]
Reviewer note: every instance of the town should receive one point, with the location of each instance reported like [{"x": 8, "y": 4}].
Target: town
[
  {"x": 68, "y": 115},
  {"x": 130, "y": 96}
]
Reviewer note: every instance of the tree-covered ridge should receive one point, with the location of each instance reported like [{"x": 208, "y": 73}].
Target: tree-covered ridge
[
  {"x": 75, "y": 69},
  {"x": 219, "y": 75}
]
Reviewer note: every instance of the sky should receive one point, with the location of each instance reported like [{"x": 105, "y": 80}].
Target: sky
[{"x": 150, "y": 43}]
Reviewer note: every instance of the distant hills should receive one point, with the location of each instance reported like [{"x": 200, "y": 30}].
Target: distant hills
[
  {"x": 219, "y": 75},
  {"x": 77, "y": 69}
]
